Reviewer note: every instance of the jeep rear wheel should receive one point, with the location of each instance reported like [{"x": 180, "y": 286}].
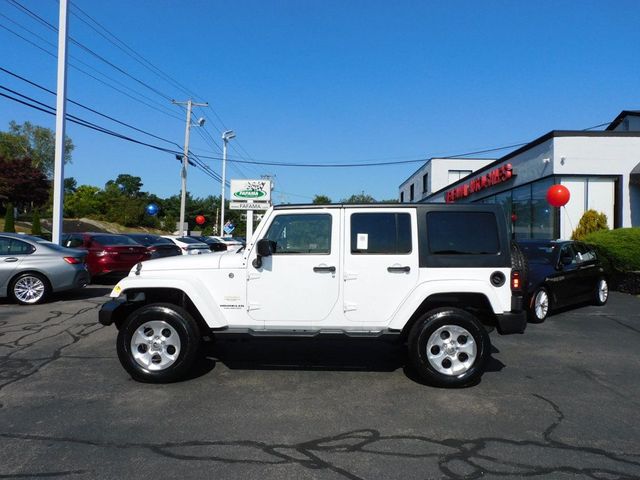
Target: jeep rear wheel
[
  {"x": 158, "y": 343},
  {"x": 449, "y": 347}
]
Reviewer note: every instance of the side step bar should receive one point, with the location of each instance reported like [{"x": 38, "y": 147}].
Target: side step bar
[{"x": 300, "y": 333}]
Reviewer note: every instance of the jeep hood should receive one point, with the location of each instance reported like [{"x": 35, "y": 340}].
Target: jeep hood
[{"x": 205, "y": 261}]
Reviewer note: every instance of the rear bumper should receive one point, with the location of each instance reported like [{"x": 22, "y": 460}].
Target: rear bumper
[{"x": 511, "y": 322}]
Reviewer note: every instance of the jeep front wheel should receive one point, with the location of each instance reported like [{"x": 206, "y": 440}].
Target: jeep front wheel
[
  {"x": 158, "y": 343},
  {"x": 449, "y": 347}
]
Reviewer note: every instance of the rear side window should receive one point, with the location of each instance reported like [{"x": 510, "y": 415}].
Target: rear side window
[
  {"x": 380, "y": 233},
  {"x": 10, "y": 246},
  {"x": 462, "y": 233}
]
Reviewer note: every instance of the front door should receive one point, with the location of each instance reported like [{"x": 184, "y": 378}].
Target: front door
[
  {"x": 380, "y": 263},
  {"x": 299, "y": 283}
]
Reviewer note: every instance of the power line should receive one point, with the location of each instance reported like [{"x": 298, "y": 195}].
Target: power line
[
  {"x": 37, "y": 105},
  {"x": 122, "y": 46},
  {"x": 53, "y": 55},
  {"x": 92, "y": 110},
  {"x": 89, "y": 50}
]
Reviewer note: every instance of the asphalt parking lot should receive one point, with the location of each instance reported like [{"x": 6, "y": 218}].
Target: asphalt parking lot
[{"x": 561, "y": 401}]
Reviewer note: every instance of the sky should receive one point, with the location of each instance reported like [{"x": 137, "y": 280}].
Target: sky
[{"x": 319, "y": 83}]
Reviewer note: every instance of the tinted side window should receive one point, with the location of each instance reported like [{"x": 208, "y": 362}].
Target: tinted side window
[
  {"x": 5, "y": 243},
  {"x": 73, "y": 241},
  {"x": 462, "y": 233},
  {"x": 585, "y": 253},
  {"x": 301, "y": 233},
  {"x": 382, "y": 233},
  {"x": 17, "y": 247}
]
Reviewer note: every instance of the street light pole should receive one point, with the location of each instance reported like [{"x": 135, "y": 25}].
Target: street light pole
[
  {"x": 226, "y": 136},
  {"x": 61, "y": 104},
  {"x": 185, "y": 159}
]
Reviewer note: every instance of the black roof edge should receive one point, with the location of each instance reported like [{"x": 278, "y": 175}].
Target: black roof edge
[
  {"x": 618, "y": 120},
  {"x": 538, "y": 141}
]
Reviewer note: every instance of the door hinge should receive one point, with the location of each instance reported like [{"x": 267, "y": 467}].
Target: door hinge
[
  {"x": 350, "y": 276},
  {"x": 253, "y": 276},
  {"x": 350, "y": 306}
]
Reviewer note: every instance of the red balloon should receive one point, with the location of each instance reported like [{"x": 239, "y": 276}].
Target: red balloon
[
  {"x": 200, "y": 219},
  {"x": 514, "y": 217},
  {"x": 558, "y": 195}
]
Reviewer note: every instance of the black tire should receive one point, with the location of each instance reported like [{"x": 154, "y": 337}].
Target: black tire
[
  {"x": 430, "y": 329},
  {"x": 157, "y": 343},
  {"x": 519, "y": 262},
  {"x": 601, "y": 294},
  {"x": 29, "y": 288},
  {"x": 539, "y": 306}
]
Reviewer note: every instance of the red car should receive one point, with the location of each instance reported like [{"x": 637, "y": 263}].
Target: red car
[{"x": 107, "y": 252}]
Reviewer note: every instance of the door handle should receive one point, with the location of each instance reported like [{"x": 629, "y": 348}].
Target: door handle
[
  {"x": 324, "y": 269},
  {"x": 11, "y": 259},
  {"x": 406, "y": 269}
]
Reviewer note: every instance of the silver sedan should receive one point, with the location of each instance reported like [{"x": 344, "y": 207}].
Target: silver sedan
[{"x": 31, "y": 268}]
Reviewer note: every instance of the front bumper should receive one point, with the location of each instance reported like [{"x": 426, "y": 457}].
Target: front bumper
[{"x": 116, "y": 310}]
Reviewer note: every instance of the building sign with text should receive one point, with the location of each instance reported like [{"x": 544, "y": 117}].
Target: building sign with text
[
  {"x": 250, "y": 194},
  {"x": 477, "y": 184}
]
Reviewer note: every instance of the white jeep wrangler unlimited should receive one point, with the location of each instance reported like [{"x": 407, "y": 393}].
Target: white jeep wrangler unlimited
[{"x": 436, "y": 276}]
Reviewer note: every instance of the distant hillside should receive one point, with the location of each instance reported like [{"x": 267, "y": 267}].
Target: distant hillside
[{"x": 71, "y": 225}]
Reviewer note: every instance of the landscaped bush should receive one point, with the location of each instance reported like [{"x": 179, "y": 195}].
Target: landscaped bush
[
  {"x": 620, "y": 248},
  {"x": 590, "y": 222},
  {"x": 9, "y": 220}
]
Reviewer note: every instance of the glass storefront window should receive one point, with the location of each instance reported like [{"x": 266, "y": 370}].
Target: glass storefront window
[{"x": 543, "y": 219}]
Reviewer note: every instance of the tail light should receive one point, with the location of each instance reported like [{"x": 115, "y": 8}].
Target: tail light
[
  {"x": 72, "y": 260},
  {"x": 516, "y": 285}
]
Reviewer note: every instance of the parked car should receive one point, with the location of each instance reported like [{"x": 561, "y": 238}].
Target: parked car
[
  {"x": 189, "y": 245},
  {"x": 157, "y": 246},
  {"x": 31, "y": 268},
  {"x": 562, "y": 273},
  {"x": 106, "y": 252},
  {"x": 232, "y": 243},
  {"x": 215, "y": 245}
]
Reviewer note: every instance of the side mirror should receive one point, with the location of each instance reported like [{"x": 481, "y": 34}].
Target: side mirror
[{"x": 265, "y": 248}]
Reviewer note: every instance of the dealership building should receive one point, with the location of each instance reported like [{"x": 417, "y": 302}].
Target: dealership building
[{"x": 601, "y": 170}]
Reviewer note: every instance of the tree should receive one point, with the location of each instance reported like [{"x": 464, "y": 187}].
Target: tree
[
  {"x": 84, "y": 202},
  {"x": 36, "y": 228},
  {"x": 321, "y": 200},
  {"x": 34, "y": 142},
  {"x": 9, "y": 220},
  {"x": 70, "y": 185},
  {"x": 591, "y": 221},
  {"x": 22, "y": 183},
  {"x": 128, "y": 184},
  {"x": 359, "y": 198}
]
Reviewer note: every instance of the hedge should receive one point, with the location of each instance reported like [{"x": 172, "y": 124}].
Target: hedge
[{"x": 620, "y": 247}]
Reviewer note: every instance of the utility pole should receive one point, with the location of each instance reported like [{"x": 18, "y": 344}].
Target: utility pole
[
  {"x": 61, "y": 104},
  {"x": 226, "y": 136},
  {"x": 185, "y": 157}
]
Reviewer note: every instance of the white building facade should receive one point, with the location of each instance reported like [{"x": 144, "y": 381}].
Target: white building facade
[
  {"x": 601, "y": 170},
  {"x": 436, "y": 174}
]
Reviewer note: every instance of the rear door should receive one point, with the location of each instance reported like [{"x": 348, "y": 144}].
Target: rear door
[
  {"x": 380, "y": 262},
  {"x": 9, "y": 261}
]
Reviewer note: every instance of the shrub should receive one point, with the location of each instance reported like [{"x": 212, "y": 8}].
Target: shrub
[
  {"x": 620, "y": 247},
  {"x": 36, "y": 229},
  {"x": 9, "y": 220},
  {"x": 590, "y": 222}
]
